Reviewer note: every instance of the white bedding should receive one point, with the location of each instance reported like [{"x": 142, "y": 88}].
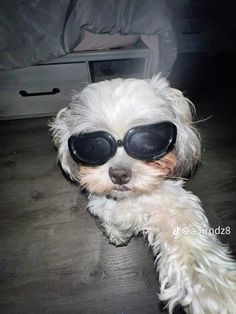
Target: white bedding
[{"x": 92, "y": 41}]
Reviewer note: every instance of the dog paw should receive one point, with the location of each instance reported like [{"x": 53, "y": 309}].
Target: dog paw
[
  {"x": 115, "y": 236},
  {"x": 121, "y": 241}
]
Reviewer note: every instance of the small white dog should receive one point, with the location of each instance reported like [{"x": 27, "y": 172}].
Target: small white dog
[{"x": 128, "y": 142}]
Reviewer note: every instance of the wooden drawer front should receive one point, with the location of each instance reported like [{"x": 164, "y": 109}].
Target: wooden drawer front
[{"x": 40, "y": 79}]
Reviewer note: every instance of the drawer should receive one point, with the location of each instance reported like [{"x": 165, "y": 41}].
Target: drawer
[{"x": 39, "y": 81}]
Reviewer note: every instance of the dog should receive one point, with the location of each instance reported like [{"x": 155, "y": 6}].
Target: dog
[{"x": 130, "y": 143}]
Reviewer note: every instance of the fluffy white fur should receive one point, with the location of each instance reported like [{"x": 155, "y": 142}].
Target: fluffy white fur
[{"x": 195, "y": 269}]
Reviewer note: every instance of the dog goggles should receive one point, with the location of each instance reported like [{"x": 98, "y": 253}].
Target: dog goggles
[{"x": 146, "y": 142}]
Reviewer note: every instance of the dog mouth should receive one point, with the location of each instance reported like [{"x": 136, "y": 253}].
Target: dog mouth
[
  {"x": 119, "y": 192},
  {"x": 122, "y": 188}
]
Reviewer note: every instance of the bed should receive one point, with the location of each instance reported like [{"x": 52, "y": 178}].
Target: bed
[
  {"x": 36, "y": 31},
  {"x": 47, "y": 46}
]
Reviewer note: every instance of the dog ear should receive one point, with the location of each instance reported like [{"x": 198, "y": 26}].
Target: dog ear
[
  {"x": 188, "y": 147},
  {"x": 60, "y": 129}
]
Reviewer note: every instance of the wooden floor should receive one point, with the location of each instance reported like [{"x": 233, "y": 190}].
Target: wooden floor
[{"x": 54, "y": 258}]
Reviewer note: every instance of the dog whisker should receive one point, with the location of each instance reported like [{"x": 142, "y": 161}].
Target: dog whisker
[{"x": 203, "y": 120}]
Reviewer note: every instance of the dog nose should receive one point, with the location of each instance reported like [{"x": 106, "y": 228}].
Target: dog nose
[{"x": 119, "y": 175}]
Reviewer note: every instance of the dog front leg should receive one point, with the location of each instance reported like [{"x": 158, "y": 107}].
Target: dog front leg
[
  {"x": 113, "y": 223},
  {"x": 195, "y": 268}
]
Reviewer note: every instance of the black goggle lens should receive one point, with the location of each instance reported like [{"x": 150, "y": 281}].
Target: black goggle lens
[
  {"x": 147, "y": 142},
  {"x": 150, "y": 142},
  {"x": 92, "y": 148}
]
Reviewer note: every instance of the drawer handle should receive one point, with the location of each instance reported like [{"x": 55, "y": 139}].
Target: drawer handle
[{"x": 24, "y": 93}]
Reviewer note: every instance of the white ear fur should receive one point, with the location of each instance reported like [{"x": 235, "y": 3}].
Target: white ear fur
[
  {"x": 180, "y": 104},
  {"x": 188, "y": 147},
  {"x": 60, "y": 128}
]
